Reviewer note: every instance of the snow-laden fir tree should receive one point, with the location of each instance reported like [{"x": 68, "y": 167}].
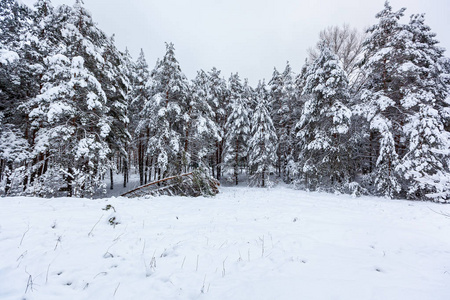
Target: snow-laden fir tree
[
  {"x": 263, "y": 141},
  {"x": 237, "y": 129},
  {"x": 15, "y": 74},
  {"x": 249, "y": 93},
  {"x": 70, "y": 116},
  {"x": 20, "y": 60},
  {"x": 380, "y": 99},
  {"x": 287, "y": 114},
  {"x": 324, "y": 124},
  {"x": 425, "y": 164},
  {"x": 405, "y": 103},
  {"x": 139, "y": 107},
  {"x": 113, "y": 75},
  {"x": 166, "y": 115},
  {"x": 275, "y": 98},
  {"x": 203, "y": 130},
  {"x": 291, "y": 170},
  {"x": 140, "y": 92},
  {"x": 218, "y": 99}
]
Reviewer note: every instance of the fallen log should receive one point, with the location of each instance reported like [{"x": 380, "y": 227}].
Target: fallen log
[{"x": 194, "y": 184}]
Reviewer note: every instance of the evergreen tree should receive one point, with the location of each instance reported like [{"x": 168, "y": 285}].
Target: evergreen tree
[
  {"x": 113, "y": 76},
  {"x": 275, "y": 96},
  {"x": 262, "y": 144},
  {"x": 404, "y": 101},
  {"x": 425, "y": 164},
  {"x": 140, "y": 96},
  {"x": 21, "y": 67},
  {"x": 324, "y": 124},
  {"x": 169, "y": 103},
  {"x": 20, "y": 64},
  {"x": 140, "y": 78},
  {"x": 218, "y": 100},
  {"x": 237, "y": 128},
  {"x": 287, "y": 114},
  {"x": 204, "y": 132},
  {"x": 71, "y": 118},
  {"x": 380, "y": 99}
]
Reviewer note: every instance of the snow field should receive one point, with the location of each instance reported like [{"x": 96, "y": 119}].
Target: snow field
[{"x": 245, "y": 243}]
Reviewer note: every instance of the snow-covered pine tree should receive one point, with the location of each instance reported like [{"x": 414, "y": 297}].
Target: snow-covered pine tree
[
  {"x": 16, "y": 34},
  {"x": 263, "y": 141},
  {"x": 404, "y": 101},
  {"x": 425, "y": 164},
  {"x": 140, "y": 93},
  {"x": 113, "y": 76},
  {"x": 380, "y": 100},
  {"x": 70, "y": 115},
  {"x": 169, "y": 91},
  {"x": 20, "y": 60},
  {"x": 291, "y": 169},
  {"x": 218, "y": 99},
  {"x": 237, "y": 128},
  {"x": 15, "y": 23},
  {"x": 275, "y": 98},
  {"x": 249, "y": 93},
  {"x": 324, "y": 124},
  {"x": 71, "y": 126},
  {"x": 287, "y": 115},
  {"x": 203, "y": 131},
  {"x": 138, "y": 108},
  {"x": 21, "y": 68}
]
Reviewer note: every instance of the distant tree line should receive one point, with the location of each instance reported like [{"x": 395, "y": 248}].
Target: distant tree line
[{"x": 367, "y": 114}]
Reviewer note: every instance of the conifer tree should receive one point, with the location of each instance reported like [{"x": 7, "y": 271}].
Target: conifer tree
[
  {"x": 275, "y": 96},
  {"x": 263, "y": 140},
  {"x": 324, "y": 124},
  {"x": 404, "y": 101},
  {"x": 425, "y": 163},
  {"x": 218, "y": 99},
  {"x": 71, "y": 117},
  {"x": 169, "y": 103},
  {"x": 113, "y": 76},
  {"x": 380, "y": 99},
  {"x": 237, "y": 128},
  {"x": 18, "y": 82},
  {"x": 140, "y": 97},
  {"x": 287, "y": 113},
  {"x": 204, "y": 132}
]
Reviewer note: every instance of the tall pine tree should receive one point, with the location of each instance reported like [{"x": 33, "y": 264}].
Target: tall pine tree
[
  {"x": 324, "y": 124},
  {"x": 237, "y": 129},
  {"x": 263, "y": 141}
]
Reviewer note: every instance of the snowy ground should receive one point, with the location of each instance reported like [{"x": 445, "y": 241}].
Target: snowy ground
[{"x": 243, "y": 244}]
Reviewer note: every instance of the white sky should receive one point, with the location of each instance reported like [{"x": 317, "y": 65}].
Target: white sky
[{"x": 246, "y": 36}]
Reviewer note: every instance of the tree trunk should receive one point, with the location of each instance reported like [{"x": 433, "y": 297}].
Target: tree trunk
[
  {"x": 141, "y": 160},
  {"x": 125, "y": 172},
  {"x": 263, "y": 177},
  {"x": 236, "y": 158},
  {"x": 218, "y": 160},
  {"x": 111, "y": 175},
  {"x": 69, "y": 182},
  {"x": 146, "y": 173}
]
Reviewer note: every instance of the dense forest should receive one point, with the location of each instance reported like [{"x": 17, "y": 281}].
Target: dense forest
[{"x": 367, "y": 114}]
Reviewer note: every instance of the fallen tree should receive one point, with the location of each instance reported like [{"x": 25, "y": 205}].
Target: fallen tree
[{"x": 193, "y": 184}]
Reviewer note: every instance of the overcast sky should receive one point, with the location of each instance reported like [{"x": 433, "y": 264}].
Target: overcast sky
[{"x": 246, "y": 36}]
